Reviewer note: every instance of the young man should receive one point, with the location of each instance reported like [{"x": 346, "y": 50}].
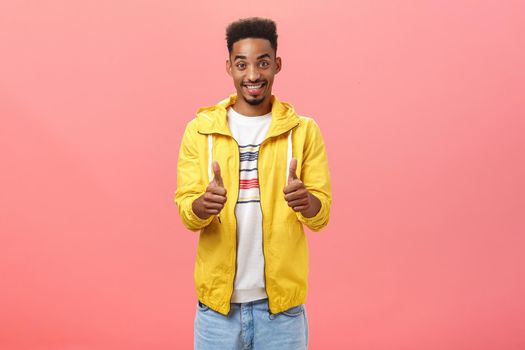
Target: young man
[{"x": 251, "y": 173}]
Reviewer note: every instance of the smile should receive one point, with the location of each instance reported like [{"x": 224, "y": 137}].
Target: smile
[
  {"x": 254, "y": 89},
  {"x": 251, "y": 86}
]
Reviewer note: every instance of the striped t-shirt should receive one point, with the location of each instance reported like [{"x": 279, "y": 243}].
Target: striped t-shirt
[{"x": 249, "y": 132}]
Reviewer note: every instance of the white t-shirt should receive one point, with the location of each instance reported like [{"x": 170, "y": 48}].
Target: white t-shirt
[{"x": 249, "y": 132}]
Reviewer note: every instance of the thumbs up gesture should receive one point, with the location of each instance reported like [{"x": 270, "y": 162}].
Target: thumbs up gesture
[
  {"x": 297, "y": 196},
  {"x": 212, "y": 201}
]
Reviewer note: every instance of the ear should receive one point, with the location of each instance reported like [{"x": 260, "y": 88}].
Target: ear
[
  {"x": 278, "y": 64},
  {"x": 229, "y": 67}
]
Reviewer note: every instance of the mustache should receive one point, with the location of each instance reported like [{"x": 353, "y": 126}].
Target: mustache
[{"x": 253, "y": 82}]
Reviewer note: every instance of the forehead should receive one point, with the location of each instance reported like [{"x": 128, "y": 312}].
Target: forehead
[{"x": 251, "y": 47}]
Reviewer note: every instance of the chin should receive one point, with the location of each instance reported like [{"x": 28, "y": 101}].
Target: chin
[{"x": 253, "y": 102}]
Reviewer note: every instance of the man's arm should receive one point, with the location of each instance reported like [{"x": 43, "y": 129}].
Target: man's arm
[
  {"x": 190, "y": 184},
  {"x": 310, "y": 196}
]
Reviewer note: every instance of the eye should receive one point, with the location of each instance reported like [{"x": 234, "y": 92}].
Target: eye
[
  {"x": 240, "y": 65},
  {"x": 264, "y": 64}
]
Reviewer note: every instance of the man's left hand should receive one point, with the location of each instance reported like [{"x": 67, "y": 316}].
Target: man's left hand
[{"x": 297, "y": 196}]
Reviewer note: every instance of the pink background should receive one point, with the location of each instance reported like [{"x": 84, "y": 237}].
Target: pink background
[{"x": 421, "y": 104}]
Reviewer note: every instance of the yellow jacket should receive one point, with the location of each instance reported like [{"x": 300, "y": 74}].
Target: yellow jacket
[{"x": 285, "y": 246}]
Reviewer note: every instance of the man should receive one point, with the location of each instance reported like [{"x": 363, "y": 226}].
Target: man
[{"x": 251, "y": 172}]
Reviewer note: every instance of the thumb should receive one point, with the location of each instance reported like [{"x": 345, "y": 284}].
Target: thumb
[
  {"x": 293, "y": 169},
  {"x": 217, "y": 178}
]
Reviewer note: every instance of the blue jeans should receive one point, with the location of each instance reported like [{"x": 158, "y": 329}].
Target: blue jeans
[{"x": 251, "y": 326}]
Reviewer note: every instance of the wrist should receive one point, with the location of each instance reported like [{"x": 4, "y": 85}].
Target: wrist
[
  {"x": 197, "y": 209},
  {"x": 313, "y": 208}
]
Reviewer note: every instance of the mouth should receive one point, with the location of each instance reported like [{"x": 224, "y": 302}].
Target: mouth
[{"x": 254, "y": 89}]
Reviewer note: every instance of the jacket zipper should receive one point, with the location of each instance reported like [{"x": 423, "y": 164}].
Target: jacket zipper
[
  {"x": 262, "y": 216},
  {"x": 262, "y": 219},
  {"x": 262, "y": 222},
  {"x": 235, "y": 216}
]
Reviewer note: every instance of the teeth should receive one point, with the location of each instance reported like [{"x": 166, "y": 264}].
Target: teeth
[{"x": 254, "y": 87}]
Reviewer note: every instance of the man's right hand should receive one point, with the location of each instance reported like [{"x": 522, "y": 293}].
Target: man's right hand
[{"x": 212, "y": 201}]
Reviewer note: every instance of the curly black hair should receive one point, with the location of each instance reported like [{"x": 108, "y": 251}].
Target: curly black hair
[{"x": 252, "y": 27}]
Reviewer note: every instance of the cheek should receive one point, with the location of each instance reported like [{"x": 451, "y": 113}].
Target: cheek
[
  {"x": 237, "y": 78},
  {"x": 269, "y": 77}
]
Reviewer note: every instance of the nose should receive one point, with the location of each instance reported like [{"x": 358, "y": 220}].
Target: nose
[{"x": 253, "y": 73}]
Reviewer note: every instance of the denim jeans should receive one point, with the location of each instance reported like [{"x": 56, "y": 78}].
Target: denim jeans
[{"x": 250, "y": 326}]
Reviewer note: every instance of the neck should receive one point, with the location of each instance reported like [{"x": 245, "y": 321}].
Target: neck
[{"x": 244, "y": 108}]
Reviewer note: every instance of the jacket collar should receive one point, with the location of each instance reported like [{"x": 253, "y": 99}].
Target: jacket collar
[{"x": 213, "y": 119}]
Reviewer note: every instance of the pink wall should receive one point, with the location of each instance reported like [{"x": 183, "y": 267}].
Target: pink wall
[{"x": 422, "y": 107}]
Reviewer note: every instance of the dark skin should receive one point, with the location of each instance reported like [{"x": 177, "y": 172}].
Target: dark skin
[
  {"x": 253, "y": 62},
  {"x": 297, "y": 196},
  {"x": 212, "y": 201}
]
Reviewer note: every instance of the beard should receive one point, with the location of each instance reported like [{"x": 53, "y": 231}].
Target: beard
[{"x": 254, "y": 102}]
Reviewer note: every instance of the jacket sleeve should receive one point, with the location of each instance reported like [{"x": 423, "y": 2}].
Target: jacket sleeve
[
  {"x": 190, "y": 184},
  {"x": 315, "y": 176}
]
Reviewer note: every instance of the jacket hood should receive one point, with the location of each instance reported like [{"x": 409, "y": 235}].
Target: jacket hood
[{"x": 213, "y": 119}]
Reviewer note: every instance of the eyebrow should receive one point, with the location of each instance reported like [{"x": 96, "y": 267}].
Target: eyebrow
[{"x": 241, "y": 57}]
